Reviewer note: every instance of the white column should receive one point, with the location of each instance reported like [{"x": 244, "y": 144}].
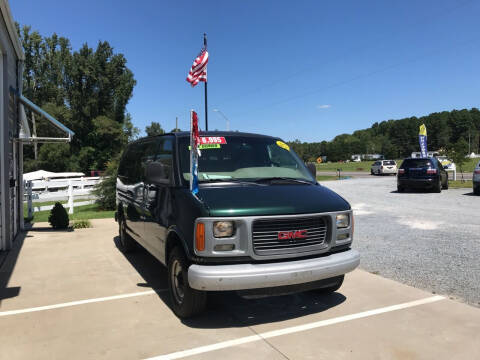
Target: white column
[
  {"x": 29, "y": 199},
  {"x": 70, "y": 197}
]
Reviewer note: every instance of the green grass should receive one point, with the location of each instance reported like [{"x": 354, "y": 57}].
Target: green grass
[
  {"x": 46, "y": 203},
  {"x": 456, "y": 184},
  {"x": 468, "y": 166},
  {"x": 79, "y": 213},
  {"x": 326, "y": 177},
  {"x": 350, "y": 166}
]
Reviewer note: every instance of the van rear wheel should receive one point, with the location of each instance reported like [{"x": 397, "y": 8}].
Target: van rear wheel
[
  {"x": 126, "y": 243},
  {"x": 186, "y": 302}
]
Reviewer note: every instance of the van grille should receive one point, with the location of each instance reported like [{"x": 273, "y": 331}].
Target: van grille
[{"x": 289, "y": 235}]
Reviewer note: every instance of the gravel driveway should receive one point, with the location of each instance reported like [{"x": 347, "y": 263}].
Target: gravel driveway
[{"x": 427, "y": 240}]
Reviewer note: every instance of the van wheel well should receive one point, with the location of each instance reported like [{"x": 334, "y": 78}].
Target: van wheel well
[{"x": 173, "y": 241}]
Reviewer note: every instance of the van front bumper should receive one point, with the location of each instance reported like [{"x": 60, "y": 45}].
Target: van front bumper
[{"x": 256, "y": 276}]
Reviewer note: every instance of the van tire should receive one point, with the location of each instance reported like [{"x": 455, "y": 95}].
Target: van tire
[
  {"x": 400, "y": 189},
  {"x": 186, "y": 302},
  {"x": 332, "y": 288},
  {"x": 438, "y": 186},
  {"x": 476, "y": 190},
  {"x": 126, "y": 243}
]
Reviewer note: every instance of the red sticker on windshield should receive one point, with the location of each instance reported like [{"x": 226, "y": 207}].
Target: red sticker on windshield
[{"x": 213, "y": 140}]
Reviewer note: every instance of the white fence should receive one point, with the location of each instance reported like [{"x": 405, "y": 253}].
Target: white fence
[{"x": 59, "y": 190}]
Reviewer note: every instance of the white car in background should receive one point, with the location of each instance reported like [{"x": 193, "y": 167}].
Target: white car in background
[
  {"x": 476, "y": 179},
  {"x": 384, "y": 167}
]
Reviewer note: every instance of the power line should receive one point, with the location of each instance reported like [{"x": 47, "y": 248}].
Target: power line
[{"x": 357, "y": 77}]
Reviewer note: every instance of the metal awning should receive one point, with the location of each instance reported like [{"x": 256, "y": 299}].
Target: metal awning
[{"x": 25, "y": 135}]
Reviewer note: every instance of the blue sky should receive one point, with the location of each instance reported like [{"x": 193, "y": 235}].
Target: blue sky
[{"x": 307, "y": 70}]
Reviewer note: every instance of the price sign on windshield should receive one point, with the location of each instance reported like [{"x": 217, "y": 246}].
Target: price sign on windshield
[{"x": 212, "y": 140}]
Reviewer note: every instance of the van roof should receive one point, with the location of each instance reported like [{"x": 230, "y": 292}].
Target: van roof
[{"x": 209, "y": 133}]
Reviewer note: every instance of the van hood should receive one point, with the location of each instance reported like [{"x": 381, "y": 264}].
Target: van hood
[{"x": 257, "y": 200}]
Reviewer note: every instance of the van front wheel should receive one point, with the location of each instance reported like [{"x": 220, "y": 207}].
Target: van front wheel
[{"x": 186, "y": 302}]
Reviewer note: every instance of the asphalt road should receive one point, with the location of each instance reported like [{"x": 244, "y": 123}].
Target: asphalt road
[
  {"x": 427, "y": 240},
  {"x": 363, "y": 174}
]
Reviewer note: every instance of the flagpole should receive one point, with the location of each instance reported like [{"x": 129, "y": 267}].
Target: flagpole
[{"x": 206, "y": 108}]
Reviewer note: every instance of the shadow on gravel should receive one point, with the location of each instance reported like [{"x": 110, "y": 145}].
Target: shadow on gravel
[
  {"x": 228, "y": 309},
  {"x": 470, "y": 194}
]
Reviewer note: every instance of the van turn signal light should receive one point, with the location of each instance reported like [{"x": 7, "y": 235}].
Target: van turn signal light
[{"x": 200, "y": 237}]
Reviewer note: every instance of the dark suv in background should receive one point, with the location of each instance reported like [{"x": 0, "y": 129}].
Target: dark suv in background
[{"x": 422, "y": 173}]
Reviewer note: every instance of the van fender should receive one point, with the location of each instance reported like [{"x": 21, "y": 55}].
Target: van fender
[{"x": 175, "y": 236}]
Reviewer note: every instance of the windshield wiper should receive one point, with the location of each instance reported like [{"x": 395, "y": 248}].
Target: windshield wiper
[
  {"x": 223, "y": 181},
  {"x": 280, "y": 178}
]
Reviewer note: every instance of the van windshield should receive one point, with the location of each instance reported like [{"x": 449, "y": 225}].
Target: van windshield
[{"x": 243, "y": 158}]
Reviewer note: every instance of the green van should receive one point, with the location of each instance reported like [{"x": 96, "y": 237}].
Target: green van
[{"x": 260, "y": 221}]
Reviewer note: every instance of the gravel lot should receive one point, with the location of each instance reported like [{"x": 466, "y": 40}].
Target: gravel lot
[{"x": 427, "y": 240}]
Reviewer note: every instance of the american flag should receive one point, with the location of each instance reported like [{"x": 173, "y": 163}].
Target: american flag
[
  {"x": 194, "y": 152},
  {"x": 198, "y": 72}
]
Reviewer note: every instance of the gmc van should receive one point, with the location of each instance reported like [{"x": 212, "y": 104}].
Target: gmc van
[{"x": 260, "y": 221}]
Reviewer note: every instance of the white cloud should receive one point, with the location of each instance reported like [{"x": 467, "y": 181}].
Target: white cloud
[{"x": 326, "y": 106}]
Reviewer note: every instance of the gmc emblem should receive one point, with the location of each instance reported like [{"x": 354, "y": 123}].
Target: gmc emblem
[{"x": 289, "y": 235}]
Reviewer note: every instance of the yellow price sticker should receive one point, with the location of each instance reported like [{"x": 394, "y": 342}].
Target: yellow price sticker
[{"x": 283, "y": 145}]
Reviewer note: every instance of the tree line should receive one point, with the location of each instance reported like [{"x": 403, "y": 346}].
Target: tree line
[
  {"x": 87, "y": 90},
  {"x": 448, "y": 132}
]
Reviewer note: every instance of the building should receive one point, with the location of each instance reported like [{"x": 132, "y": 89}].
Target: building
[
  {"x": 14, "y": 129},
  {"x": 360, "y": 157}
]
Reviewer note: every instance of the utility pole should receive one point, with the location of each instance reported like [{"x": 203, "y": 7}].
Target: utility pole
[
  {"x": 206, "y": 107},
  {"x": 469, "y": 142},
  {"x": 176, "y": 123},
  {"x": 225, "y": 117}
]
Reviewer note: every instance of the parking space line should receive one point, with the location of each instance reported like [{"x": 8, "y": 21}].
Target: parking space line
[
  {"x": 80, "y": 302},
  {"x": 294, "y": 329}
]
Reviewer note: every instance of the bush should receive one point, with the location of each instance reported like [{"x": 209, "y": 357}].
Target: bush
[
  {"x": 106, "y": 189},
  {"x": 82, "y": 224},
  {"x": 58, "y": 218}
]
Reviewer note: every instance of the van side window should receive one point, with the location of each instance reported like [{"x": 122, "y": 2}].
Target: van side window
[
  {"x": 127, "y": 168},
  {"x": 165, "y": 154}
]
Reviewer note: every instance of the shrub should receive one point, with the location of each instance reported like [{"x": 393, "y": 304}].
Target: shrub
[
  {"x": 58, "y": 218},
  {"x": 106, "y": 189},
  {"x": 82, "y": 224}
]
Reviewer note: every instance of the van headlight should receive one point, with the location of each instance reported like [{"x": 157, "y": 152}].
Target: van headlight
[
  {"x": 343, "y": 221},
  {"x": 223, "y": 229}
]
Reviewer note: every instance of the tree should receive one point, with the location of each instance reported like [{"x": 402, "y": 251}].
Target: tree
[
  {"x": 154, "y": 129},
  {"x": 458, "y": 153},
  {"x": 105, "y": 190},
  {"x": 87, "y": 90}
]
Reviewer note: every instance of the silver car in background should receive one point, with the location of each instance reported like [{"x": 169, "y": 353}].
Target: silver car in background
[
  {"x": 476, "y": 179},
  {"x": 384, "y": 167}
]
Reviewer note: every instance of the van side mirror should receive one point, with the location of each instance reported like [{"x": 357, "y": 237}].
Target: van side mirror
[
  {"x": 158, "y": 173},
  {"x": 313, "y": 169}
]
